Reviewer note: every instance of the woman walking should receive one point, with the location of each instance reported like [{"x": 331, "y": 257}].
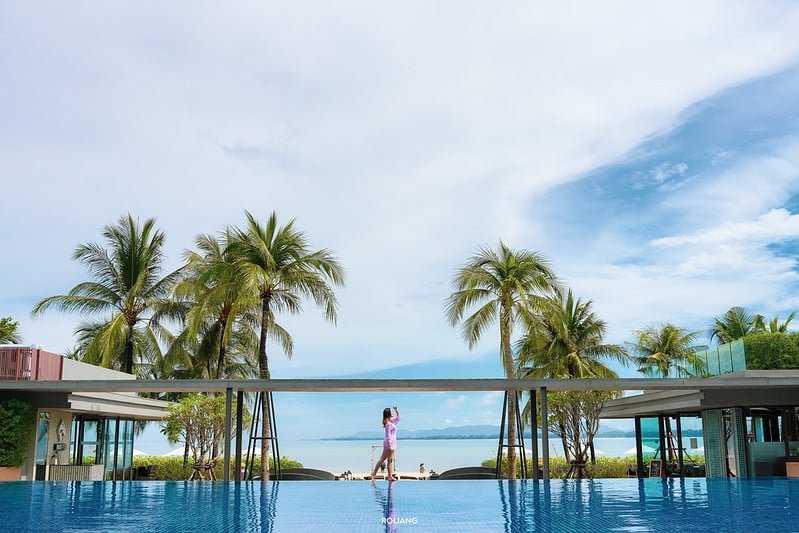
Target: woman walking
[{"x": 389, "y": 443}]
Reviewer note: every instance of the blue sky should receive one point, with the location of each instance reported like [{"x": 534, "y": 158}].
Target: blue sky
[{"x": 651, "y": 152}]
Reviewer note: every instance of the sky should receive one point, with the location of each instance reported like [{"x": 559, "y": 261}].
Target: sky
[{"x": 651, "y": 152}]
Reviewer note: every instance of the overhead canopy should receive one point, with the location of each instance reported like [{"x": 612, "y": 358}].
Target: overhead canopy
[{"x": 727, "y": 391}]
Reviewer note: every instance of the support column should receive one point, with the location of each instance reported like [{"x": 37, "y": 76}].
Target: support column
[
  {"x": 228, "y": 429},
  {"x": 545, "y": 432},
  {"x": 639, "y": 454},
  {"x": 116, "y": 451},
  {"x": 534, "y": 433},
  {"x": 239, "y": 420}
]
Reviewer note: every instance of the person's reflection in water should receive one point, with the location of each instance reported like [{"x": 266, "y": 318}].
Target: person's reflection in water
[{"x": 387, "y": 504}]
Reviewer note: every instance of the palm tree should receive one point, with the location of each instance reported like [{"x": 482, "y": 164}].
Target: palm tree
[
  {"x": 661, "y": 349},
  {"x": 774, "y": 325},
  {"x": 665, "y": 348},
  {"x": 127, "y": 288},
  {"x": 736, "y": 323},
  {"x": 276, "y": 265},
  {"x": 9, "y": 334},
  {"x": 564, "y": 339},
  {"x": 505, "y": 284},
  {"x": 219, "y": 337}
]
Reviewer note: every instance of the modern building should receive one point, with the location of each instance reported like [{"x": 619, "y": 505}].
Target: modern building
[
  {"x": 750, "y": 432},
  {"x": 77, "y": 435}
]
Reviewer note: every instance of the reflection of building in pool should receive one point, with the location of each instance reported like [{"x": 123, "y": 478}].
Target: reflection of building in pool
[
  {"x": 739, "y": 432},
  {"x": 77, "y": 435}
]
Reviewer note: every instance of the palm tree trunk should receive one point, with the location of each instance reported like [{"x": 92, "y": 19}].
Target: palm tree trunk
[
  {"x": 220, "y": 362},
  {"x": 129, "y": 351},
  {"x": 507, "y": 361},
  {"x": 263, "y": 373}
]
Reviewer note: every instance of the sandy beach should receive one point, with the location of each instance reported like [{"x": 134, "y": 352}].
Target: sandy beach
[{"x": 361, "y": 476}]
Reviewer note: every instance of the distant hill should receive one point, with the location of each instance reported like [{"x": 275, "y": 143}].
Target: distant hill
[{"x": 460, "y": 432}]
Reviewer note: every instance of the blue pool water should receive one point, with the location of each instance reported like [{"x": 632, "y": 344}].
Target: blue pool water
[{"x": 604, "y": 505}]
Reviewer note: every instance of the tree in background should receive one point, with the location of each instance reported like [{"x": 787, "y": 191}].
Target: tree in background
[
  {"x": 126, "y": 288},
  {"x": 505, "y": 284},
  {"x": 199, "y": 421},
  {"x": 736, "y": 323},
  {"x": 9, "y": 331},
  {"x": 574, "y": 417},
  {"x": 661, "y": 349},
  {"x": 564, "y": 339},
  {"x": 775, "y": 326},
  {"x": 219, "y": 338},
  {"x": 276, "y": 265}
]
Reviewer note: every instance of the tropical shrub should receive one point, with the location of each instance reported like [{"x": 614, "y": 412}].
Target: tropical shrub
[
  {"x": 172, "y": 469},
  {"x": 17, "y": 418},
  {"x": 766, "y": 351},
  {"x": 605, "y": 467}
]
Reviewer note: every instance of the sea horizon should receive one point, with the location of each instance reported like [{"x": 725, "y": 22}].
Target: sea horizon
[{"x": 358, "y": 455}]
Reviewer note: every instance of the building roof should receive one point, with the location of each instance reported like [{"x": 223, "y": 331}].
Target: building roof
[{"x": 751, "y": 388}]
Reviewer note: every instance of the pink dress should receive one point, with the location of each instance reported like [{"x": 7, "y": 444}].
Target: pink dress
[{"x": 390, "y": 440}]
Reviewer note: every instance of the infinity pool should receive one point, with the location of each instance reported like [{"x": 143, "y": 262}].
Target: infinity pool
[{"x": 604, "y": 505}]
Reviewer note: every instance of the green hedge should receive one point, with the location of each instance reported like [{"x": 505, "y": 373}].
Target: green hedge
[
  {"x": 765, "y": 351},
  {"x": 172, "y": 469},
  {"x": 605, "y": 467},
  {"x": 17, "y": 418}
]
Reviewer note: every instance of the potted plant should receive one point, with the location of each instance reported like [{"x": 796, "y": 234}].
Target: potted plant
[{"x": 17, "y": 418}]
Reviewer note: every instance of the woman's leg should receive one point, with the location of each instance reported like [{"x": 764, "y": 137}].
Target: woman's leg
[
  {"x": 382, "y": 458},
  {"x": 391, "y": 464}
]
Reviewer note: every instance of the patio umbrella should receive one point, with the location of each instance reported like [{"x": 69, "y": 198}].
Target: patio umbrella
[
  {"x": 139, "y": 452},
  {"x": 178, "y": 452},
  {"x": 644, "y": 449}
]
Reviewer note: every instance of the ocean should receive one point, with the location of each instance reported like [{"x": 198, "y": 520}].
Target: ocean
[{"x": 358, "y": 455}]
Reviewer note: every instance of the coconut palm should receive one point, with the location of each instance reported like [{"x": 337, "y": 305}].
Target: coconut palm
[
  {"x": 9, "y": 333},
  {"x": 736, "y": 323},
  {"x": 127, "y": 288},
  {"x": 219, "y": 338},
  {"x": 775, "y": 326},
  {"x": 504, "y": 284},
  {"x": 564, "y": 339},
  {"x": 276, "y": 265},
  {"x": 664, "y": 349}
]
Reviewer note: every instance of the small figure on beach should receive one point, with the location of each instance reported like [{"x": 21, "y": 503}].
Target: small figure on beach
[{"x": 389, "y": 443}]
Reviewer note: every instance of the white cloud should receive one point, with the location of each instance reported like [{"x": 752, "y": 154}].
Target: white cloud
[
  {"x": 454, "y": 403},
  {"x": 491, "y": 398},
  {"x": 774, "y": 226},
  {"x": 400, "y": 136},
  {"x": 666, "y": 171}
]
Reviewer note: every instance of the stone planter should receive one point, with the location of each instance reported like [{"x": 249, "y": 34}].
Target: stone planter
[
  {"x": 10, "y": 473},
  {"x": 792, "y": 468}
]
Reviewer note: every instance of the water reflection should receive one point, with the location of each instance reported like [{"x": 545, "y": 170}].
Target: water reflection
[
  {"x": 386, "y": 503},
  {"x": 712, "y": 505}
]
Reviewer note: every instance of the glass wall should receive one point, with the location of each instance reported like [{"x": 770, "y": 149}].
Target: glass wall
[
  {"x": 723, "y": 359},
  {"x": 119, "y": 447}
]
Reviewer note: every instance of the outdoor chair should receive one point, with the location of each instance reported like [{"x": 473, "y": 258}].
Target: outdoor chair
[
  {"x": 304, "y": 474},
  {"x": 469, "y": 472}
]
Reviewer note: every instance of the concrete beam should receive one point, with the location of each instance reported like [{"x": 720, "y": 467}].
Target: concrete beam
[{"x": 398, "y": 385}]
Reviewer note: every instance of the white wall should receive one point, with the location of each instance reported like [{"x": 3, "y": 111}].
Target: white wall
[{"x": 80, "y": 371}]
